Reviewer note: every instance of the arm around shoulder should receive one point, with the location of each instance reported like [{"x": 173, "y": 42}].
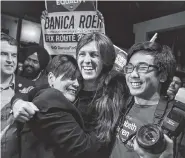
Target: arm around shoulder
[{"x": 59, "y": 128}]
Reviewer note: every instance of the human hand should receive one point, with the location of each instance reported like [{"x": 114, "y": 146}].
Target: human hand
[
  {"x": 44, "y": 15},
  {"x": 168, "y": 153},
  {"x": 100, "y": 16},
  {"x": 142, "y": 152},
  {"x": 23, "y": 111}
]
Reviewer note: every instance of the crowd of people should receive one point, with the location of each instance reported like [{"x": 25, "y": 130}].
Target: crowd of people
[{"x": 74, "y": 107}]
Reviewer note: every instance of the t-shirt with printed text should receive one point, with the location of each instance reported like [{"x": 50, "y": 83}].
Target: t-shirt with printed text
[{"x": 138, "y": 116}]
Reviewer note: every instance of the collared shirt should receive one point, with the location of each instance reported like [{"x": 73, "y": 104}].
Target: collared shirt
[{"x": 7, "y": 92}]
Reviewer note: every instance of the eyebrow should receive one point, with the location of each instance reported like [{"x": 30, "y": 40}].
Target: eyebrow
[
  {"x": 33, "y": 59},
  {"x": 94, "y": 51},
  {"x": 8, "y": 53},
  {"x": 140, "y": 63},
  {"x": 177, "y": 81}
]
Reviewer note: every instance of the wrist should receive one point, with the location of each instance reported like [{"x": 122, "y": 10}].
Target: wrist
[{"x": 13, "y": 103}]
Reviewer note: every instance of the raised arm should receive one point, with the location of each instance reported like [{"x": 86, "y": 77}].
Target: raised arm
[{"x": 22, "y": 106}]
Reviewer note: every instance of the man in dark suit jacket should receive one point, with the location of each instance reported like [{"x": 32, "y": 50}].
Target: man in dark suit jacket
[{"x": 9, "y": 85}]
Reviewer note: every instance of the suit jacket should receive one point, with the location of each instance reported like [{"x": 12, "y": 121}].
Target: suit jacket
[
  {"x": 60, "y": 126},
  {"x": 23, "y": 85},
  {"x": 9, "y": 139}
]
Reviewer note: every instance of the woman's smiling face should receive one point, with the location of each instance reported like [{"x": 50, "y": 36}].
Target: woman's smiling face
[
  {"x": 89, "y": 61},
  {"x": 68, "y": 86}
]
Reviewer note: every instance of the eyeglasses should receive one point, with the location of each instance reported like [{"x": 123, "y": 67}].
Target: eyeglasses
[{"x": 140, "y": 68}]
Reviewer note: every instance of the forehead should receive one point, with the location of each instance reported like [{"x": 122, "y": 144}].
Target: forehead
[
  {"x": 141, "y": 57},
  {"x": 92, "y": 46},
  {"x": 8, "y": 48},
  {"x": 33, "y": 57},
  {"x": 175, "y": 78}
]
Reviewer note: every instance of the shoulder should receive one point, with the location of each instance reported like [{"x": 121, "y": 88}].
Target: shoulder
[
  {"x": 24, "y": 81},
  {"x": 23, "y": 85},
  {"x": 50, "y": 98}
]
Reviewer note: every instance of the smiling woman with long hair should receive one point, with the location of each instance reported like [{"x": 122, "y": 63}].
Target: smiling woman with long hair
[{"x": 100, "y": 102}]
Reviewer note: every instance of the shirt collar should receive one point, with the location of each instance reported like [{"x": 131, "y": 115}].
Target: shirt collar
[{"x": 11, "y": 84}]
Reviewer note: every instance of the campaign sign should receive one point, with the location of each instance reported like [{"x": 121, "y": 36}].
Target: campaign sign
[
  {"x": 63, "y": 28},
  {"x": 121, "y": 59},
  {"x": 70, "y": 5}
]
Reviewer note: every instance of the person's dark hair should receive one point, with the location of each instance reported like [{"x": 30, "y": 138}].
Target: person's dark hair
[
  {"x": 163, "y": 58},
  {"x": 108, "y": 101},
  {"x": 9, "y": 39},
  {"x": 105, "y": 46},
  {"x": 64, "y": 64},
  {"x": 163, "y": 55},
  {"x": 109, "y": 107}
]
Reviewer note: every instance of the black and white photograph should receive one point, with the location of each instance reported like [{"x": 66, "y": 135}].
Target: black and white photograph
[{"x": 92, "y": 79}]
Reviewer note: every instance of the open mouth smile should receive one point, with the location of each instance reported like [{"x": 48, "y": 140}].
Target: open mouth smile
[
  {"x": 88, "y": 68},
  {"x": 72, "y": 91},
  {"x": 136, "y": 84}
]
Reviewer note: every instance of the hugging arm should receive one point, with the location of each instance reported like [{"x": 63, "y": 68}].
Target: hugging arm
[
  {"x": 60, "y": 126},
  {"x": 61, "y": 131},
  {"x": 22, "y": 106}
]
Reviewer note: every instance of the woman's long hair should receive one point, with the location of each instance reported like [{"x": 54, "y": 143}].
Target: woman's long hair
[
  {"x": 109, "y": 106},
  {"x": 109, "y": 97}
]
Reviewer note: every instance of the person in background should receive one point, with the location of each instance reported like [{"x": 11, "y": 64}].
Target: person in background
[
  {"x": 175, "y": 85},
  {"x": 149, "y": 66},
  {"x": 101, "y": 99},
  {"x": 10, "y": 84},
  {"x": 35, "y": 63}
]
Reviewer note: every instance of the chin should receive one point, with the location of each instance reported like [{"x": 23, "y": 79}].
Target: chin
[
  {"x": 86, "y": 77},
  {"x": 9, "y": 72},
  {"x": 135, "y": 93},
  {"x": 71, "y": 98}
]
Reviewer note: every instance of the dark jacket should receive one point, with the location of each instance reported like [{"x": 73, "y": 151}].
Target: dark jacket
[
  {"x": 30, "y": 146},
  {"x": 60, "y": 126},
  {"x": 10, "y": 142}
]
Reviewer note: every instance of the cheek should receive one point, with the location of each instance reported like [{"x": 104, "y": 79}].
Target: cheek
[
  {"x": 99, "y": 64},
  {"x": 59, "y": 86},
  {"x": 37, "y": 66},
  {"x": 78, "y": 62},
  {"x": 15, "y": 61},
  {"x": 127, "y": 78},
  {"x": 2, "y": 60},
  {"x": 177, "y": 87},
  {"x": 25, "y": 63},
  {"x": 152, "y": 83},
  {"x": 79, "y": 59}
]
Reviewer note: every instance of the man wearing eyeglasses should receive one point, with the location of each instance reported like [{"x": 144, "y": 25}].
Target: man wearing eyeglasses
[{"x": 149, "y": 66}]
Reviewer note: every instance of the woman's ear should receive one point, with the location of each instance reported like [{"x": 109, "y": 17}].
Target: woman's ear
[
  {"x": 163, "y": 77},
  {"x": 51, "y": 79}
]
